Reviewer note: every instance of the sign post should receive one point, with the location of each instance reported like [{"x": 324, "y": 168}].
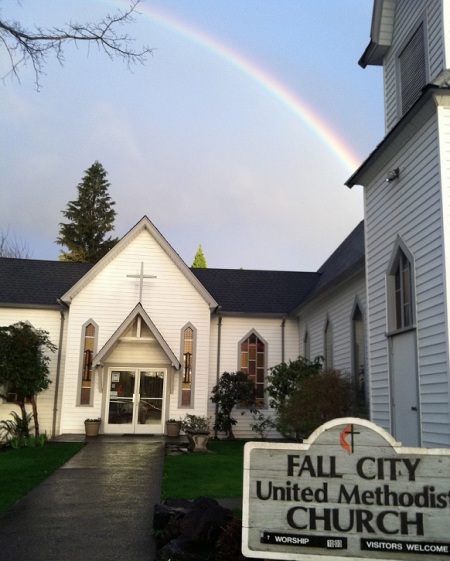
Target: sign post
[{"x": 348, "y": 492}]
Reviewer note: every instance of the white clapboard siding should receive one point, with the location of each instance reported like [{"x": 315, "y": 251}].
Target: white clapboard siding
[
  {"x": 233, "y": 330},
  {"x": 50, "y": 321},
  {"x": 337, "y": 306},
  {"x": 171, "y": 302},
  {"x": 411, "y": 208},
  {"x": 407, "y": 16}
]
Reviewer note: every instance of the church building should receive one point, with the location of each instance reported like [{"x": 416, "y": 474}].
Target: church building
[{"x": 142, "y": 338}]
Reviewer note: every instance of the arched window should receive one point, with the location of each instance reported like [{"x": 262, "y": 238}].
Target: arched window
[
  {"x": 359, "y": 355},
  {"x": 187, "y": 377},
  {"x": 400, "y": 288},
  {"x": 328, "y": 344},
  {"x": 89, "y": 339},
  {"x": 307, "y": 345},
  {"x": 253, "y": 362}
]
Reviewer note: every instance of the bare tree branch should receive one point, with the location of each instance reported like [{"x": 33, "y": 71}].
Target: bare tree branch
[
  {"x": 24, "y": 46},
  {"x": 13, "y": 247}
]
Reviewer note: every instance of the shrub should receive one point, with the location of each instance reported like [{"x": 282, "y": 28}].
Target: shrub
[
  {"x": 285, "y": 378},
  {"x": 318, "y": 399},
  {"x": 233, "y": 388}
]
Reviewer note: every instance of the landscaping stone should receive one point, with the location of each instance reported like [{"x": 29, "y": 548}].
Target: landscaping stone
[{"x": 188, "y": 530}]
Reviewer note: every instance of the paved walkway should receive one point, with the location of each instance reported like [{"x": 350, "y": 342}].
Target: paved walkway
[{"x": 97, "y": 507}]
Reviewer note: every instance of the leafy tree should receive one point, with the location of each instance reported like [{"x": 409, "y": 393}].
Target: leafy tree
[
  {"x": 91, "y": 218},
  {"x": 319, "y": 398},
  {"x": 233, "y": 388},
  {"x": 199, "y": 259},
  {"x": 24, "y": 370},
  {"x": 25, "y": 46},
  {"x": 285, "y": 378}
]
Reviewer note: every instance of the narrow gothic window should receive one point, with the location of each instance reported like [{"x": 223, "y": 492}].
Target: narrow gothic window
[
  {"x": 359, "y": 354},
  {"x": 306, "y": 345},
  {"x": 403, "y": 292},
  {"x": 188, "y": 356},
  {"x": 328, "y": 345},
  {"x": 253, "y": 360},
  {"x": 86, "y": 376}
]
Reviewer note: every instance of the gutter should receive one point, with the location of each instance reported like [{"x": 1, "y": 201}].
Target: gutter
[{"x": 58, "y": 367}]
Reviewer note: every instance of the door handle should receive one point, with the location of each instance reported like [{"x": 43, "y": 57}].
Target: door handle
[{"x": 413, "y": 408}]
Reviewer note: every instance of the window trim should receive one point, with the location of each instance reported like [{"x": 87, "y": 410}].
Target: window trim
[
  {"x": 355, "y": 368},
  {"x": 266, "y": 354},
  {"x": 307, "y": 344},
  {"x": 400, "y": 248},
  {"x": 328, "y": 340},
  {"x": 81, "y": 363},
  {"x": 188, "y": 325}
]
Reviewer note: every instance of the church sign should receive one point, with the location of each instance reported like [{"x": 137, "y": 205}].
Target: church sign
[{"x": 349, "y": 492}]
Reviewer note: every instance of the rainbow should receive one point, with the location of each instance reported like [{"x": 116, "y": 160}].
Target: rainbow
[{"x": 270, "y": 83}]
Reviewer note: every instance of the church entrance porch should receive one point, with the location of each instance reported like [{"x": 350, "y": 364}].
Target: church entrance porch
[{"x": 135, "y": 401}]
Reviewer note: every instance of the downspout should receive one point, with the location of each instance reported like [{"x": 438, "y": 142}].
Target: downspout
[
  {"x": 283, "y": 323},
  {"x": 58, "y": 369},
  {"x": 219, "y": 341}
]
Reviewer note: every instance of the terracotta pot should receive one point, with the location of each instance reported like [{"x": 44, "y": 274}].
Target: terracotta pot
[
  {"x": 91, "y": 428},
  {"x": 173, "y": 428}
]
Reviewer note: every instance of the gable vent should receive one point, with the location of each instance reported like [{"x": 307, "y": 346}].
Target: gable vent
[{"x": 412, "y": 69}]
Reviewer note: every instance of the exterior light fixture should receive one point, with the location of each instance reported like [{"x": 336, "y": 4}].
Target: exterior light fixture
[{"x": 392, "y": 174}]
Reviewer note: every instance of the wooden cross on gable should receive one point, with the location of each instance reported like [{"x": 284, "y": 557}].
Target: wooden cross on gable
[{"x": 141, "y": 278}]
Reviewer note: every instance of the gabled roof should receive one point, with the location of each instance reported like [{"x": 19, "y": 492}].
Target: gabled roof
[
  {"x": 34, "y": 283},
  {"x": 257, "y": 292},
  {"x": 143, "y": 224},
  {"x": 114, "y": 339}
]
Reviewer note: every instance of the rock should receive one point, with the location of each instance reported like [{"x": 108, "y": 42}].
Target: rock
[
  {"x": 181, "y": 549},
  {"x": 188, "y": 530},
  {"x": 204, "y": 521}
]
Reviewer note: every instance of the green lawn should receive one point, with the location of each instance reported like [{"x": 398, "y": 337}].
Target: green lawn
[
  {"x": 216, "y": 474},
  {"x": 21, "y": 470}
]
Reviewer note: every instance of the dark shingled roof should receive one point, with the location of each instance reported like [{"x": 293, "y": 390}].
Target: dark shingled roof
[
  {"x": 29, "y": 282},
  {"x": 37, "y": 283},
  {"x": 348, "y": 255},
  {"x": 268, "y": 292}
]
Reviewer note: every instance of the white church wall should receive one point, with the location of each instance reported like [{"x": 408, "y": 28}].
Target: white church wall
[
  {"x": 233, "y": 330},
  {"x": 337, "y": 307},
  {"x": 50, "y": 321},
  {"x": 407, "y": 16},
  {"x": 410, "y": 208},
  {"x": 170, "y": 300}
]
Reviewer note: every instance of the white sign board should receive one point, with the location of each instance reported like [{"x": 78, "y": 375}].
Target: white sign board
[{"x": 348, "y": 492}]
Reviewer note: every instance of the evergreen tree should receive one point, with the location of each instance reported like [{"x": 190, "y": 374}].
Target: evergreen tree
[
  {"x": 199, "y": 259},
  {"x": 91, "y": 218}
]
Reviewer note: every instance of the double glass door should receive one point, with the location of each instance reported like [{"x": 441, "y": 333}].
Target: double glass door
[{"x": 135, "y": 401}]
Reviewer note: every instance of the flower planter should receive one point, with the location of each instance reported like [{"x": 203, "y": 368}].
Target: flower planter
[
  {"x": 91, "y": 428},
  {"x": 173, "y": 428},
  {"x": 198, "y": 440}
]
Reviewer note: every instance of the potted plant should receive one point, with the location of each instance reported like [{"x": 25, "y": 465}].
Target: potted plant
[
  {"x": 92, "y": 426},
  {"x": 196, "y": 428},
  {"x": 173, "y": 427}
]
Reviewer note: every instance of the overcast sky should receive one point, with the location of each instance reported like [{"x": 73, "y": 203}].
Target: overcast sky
[{"x": 238, "y": 133}]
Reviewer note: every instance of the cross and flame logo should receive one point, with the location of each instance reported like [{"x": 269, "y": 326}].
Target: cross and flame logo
[{"x": 348, "y": 438}]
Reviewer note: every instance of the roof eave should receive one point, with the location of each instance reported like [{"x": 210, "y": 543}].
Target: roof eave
[
  {"x": 354, "y": 269},
  {"x": 388, "y": 147}
]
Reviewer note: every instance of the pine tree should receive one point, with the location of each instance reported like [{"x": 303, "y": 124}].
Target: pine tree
[
  {"x": 91, "y": 217},
  {"x": 199, "y": 259}
]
